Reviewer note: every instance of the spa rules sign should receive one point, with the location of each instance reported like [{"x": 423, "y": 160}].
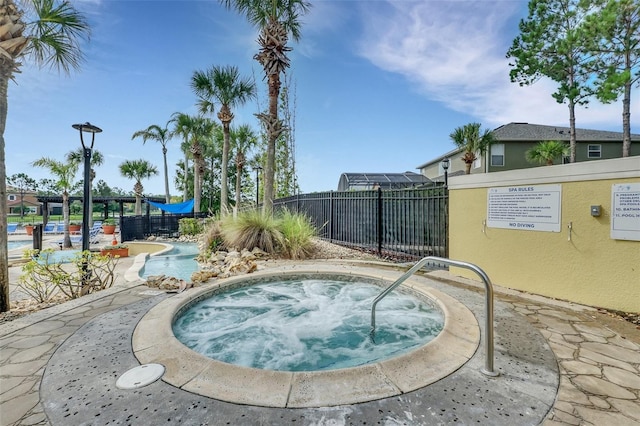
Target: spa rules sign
[
  {"x": 625, "y": 211},
  {"x": 530, "y": 208}
]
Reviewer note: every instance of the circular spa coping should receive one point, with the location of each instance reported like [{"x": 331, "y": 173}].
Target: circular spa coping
[{"x": 154, "y": 342}]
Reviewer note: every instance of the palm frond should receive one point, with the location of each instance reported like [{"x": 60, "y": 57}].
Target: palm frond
[{"x": 56, "y": 34}]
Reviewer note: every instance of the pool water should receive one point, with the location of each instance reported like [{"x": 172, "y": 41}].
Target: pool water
[
  {"x": 179, "y": 262},
  {"x": 11, "y": 245},
  {"x": 184, "y": 248},
  {"x": 58, "y": 256},
  {"x": 306, "y": 325}
]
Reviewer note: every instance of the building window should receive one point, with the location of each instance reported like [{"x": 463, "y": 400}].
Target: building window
[
  {"x": 594, "y": 151},
  {"x": 497, "y": 154},
  {"x": 12, "y": 197}
]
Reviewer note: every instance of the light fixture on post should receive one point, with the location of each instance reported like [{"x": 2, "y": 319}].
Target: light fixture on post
[
  {"x": 445, "y": 167},
  {"x": 258, "y": 168},
  {"x": 86, "y": 207}
]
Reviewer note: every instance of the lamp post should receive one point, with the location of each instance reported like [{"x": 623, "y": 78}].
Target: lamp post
[
  {"x": 258, "y": 168},
  {"x": 445, "y": 167},
  {"x": 86, "y": 207}
]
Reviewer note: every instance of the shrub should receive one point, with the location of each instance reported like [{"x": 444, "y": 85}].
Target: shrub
[
  {"x": 297, "y": 230},
  {"x": 115, "y": 246},
  {"x": 190, "y": 226},
  {"x": 252, "y": 229},
  {"x": 212, "y": 236},
  {"x": 42, "y": 278},
  {"x": 286, "y": 234}
]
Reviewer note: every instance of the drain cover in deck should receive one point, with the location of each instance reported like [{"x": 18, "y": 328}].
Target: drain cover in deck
[{"x": 140, "y": 376}]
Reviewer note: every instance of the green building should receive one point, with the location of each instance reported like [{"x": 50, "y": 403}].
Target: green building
[{"x": 514, "y": 139}]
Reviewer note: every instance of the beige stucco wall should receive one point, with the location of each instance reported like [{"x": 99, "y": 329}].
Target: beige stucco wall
[{"x": 590, "y": 268}]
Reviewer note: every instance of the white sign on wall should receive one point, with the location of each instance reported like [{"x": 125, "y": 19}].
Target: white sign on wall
[
  {"x": 625, "y": 211},
  {"x": 531, "y": 208}
]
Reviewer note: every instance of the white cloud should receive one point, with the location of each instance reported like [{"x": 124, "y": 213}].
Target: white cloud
[
  {"x": 322, "y": 18},
  {"x": 455, "y": 54}
]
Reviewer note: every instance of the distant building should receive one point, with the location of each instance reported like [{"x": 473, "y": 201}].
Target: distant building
[
  {"x": 29, "y": 201},
  {"x": 365, "y": 181},
  {"x": 514, "y": 139}
]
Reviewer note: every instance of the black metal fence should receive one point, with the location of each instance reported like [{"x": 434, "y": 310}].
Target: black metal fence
[
  {"x": 141, "y": 227},
  {"x": 403, "y": 224}
]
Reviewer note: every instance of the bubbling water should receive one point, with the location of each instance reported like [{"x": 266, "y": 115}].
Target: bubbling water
[{"x": 306, "y": 325}]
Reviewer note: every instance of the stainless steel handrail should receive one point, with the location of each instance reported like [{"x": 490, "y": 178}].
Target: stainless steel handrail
[{"x": 488, "y": 365}]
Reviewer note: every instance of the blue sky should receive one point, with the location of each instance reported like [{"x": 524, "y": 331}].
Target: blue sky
[{"x": 380, "y": 85}]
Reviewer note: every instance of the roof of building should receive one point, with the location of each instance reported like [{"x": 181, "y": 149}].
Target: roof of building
[
  {"x": 15, "y": 190},
  {"x": 538, "y": 132},
  {"x": 26, "y": 201},
  {"x": 526, "y": 132},
  {"x": 385, "y": 180}
]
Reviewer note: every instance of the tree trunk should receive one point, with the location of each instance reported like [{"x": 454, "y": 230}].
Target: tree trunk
[
  {"x": 197, "y": 181},
  {"x": 66, "y": 239},
  {"x": 467, "y": 168},
  {"x": 238, "y": 186},
  {"x": 572, "y": 131},
  {"x": 167, "y": 196},
  {"x": 626, "y": 120},
  {"x": 21, "y": 206},
  {"x": 224, "y": 173},
  {"x": 90, "y": 196},
  {"x": 185, "y": 192},
  {"x": 138, "y": 190},
  {"x": 272, "y": 136},
  {"x": 4, "y": 251}
]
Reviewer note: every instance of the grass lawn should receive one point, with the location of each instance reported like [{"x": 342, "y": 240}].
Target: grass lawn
[{"x": 33, "y": 219}]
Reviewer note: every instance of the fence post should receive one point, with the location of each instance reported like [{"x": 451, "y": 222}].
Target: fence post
[
  {"x": 446, "y": 221},
  {"x": 379, "y": 222},
  {"x": 331, "y": 216}
]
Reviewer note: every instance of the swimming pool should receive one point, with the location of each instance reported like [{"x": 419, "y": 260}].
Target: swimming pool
[
  {"x": 12, "y": 245},
  {"x": 179, "y": 262},
  {"x": 58, "y": 256}
]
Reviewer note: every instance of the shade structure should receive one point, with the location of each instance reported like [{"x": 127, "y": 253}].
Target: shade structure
[{"x": 184, "y": 207}]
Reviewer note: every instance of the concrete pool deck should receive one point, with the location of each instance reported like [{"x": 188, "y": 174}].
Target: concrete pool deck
[
  {"x": 154, "y": 342},
  {"x": 58, "y": 366}
]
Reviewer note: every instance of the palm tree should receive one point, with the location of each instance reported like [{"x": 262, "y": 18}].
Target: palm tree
[
  {"x": 225, "y": 86},
  {"x": 96, "y": 160},
  {"x": 182, "y": 124},
  {"x": 138, "y": 170},
  {"x": 546, "y": 151},
  {"x": 212, "y": 153},
  {"x": 65, "y": 174},
  {"x": 244, "y": 139},
  {"x": 471, "y": 140},
  {"x": 276, "y": 19},
  {"x": 161, "y": 135},
  {"x": 202, "y": 129},
  {"x": 50, "y": 39}
]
